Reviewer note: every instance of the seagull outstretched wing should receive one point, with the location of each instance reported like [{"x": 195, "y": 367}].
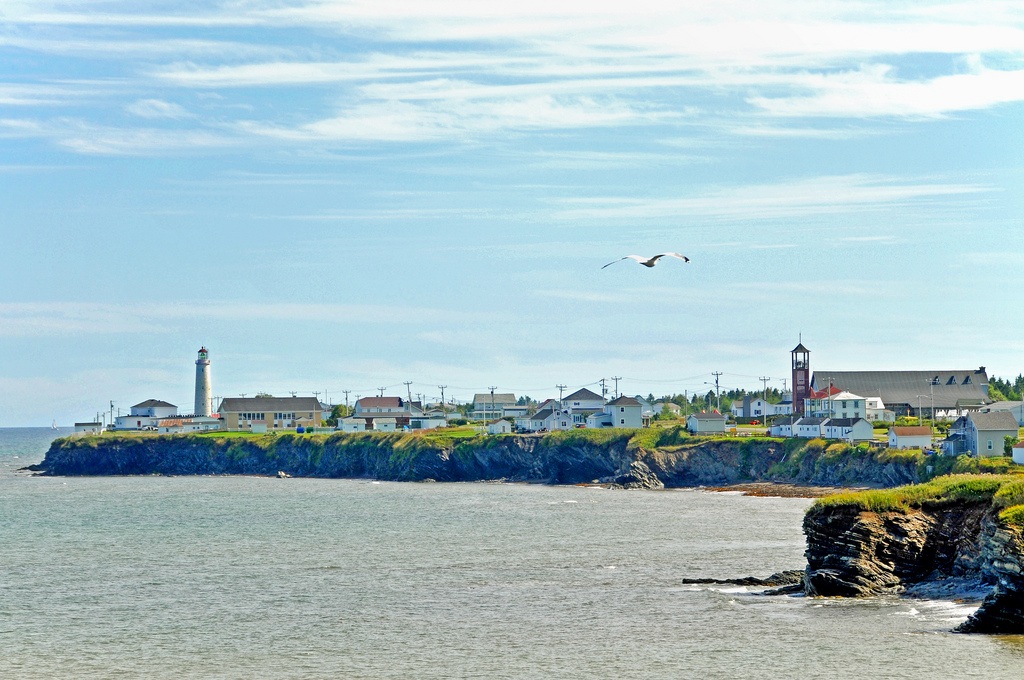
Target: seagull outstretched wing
[
  {"x": 639, "y": 258},
  {"x": 678, "y": 256},
  {"x": 649, "y": 261}
]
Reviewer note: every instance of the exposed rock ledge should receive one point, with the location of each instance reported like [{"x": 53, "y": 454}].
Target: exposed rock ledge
[{"x": 942, "y": 547}]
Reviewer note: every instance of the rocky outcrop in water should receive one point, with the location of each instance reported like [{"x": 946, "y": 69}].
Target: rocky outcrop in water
[
  {"x": 942, "y": 550},
  {"x": 852, "y": 553}
]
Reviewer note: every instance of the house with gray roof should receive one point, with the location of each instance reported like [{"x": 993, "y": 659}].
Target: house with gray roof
[
  {"x": 145, "y": 415},
  {"x": 783, "y": 427},
  {"x": 545, "y": 420},
  {"x": 1014, "y": 407},
  {"x": 848, "y": 429},
  {"x": 980, "y": 434},
  {"x": 987, "y": 432},
  {"x": 487, "y": 406},
  {"x": 808, "y": 427},
  {"x": 584, "y": 399},
  {"x": 705, "y": 423}
]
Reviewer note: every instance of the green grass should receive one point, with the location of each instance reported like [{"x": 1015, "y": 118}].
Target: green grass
[{"x": 1003, "y": 492}]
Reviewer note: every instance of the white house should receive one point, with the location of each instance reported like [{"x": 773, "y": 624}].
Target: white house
[
  {"x": 145, "y": 415},
  {"x": 783, "y": 427},
  {"x": 625, "y": 412},
  {"x": 546, "y": 420},
  {"x": 705, "y": 423},
  {"x": 849, "y": 429},
  {"x": 89, "y": 428},
  {"x": 368, "y": 406},
  {"x": 393, "y": 413},
  {"x": 1018, "y": 453},
  {"x": 916, "y": 437},
  {"x": 584, "y": 400},
  {"x": 808, "y": 427},
  {"x": 839, "y": 405},
  {"x": 875, "y": 410},
  {"x": 499, "y": 426},
  {"x": 350, "y": 424},
  {"x": 514, "y": 410},
  {"x": 757, "y": 407},
  {"x": 427, "y": 422},
  {"x": 583, "y": 403},
  {"x": 487, "y": 406},
  {"x": 189, "y": 424}
]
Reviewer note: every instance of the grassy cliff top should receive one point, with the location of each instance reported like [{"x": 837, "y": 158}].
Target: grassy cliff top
[{"x": 1004, "y": 492}]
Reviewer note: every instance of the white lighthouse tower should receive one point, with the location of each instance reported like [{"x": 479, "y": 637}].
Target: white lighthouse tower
[{"x": 204, "y": 391}]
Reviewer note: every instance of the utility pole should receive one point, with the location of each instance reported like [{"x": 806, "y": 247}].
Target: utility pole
[
  {"x": 346, "y": 400},
  {"x": 408, "y": 389},
  {"x": 111, "y": 413},
  {"x": 317, "y": 395},
  {"x": 718, "y": 395},
  {"x": 492, "y": 388},
  {"x": 931, "y": 393},
  {"x": 560, "y": 388},
  {"x": 381, "y": 389},
  {"x": 443, "y": 411},
  {"x": 604, "y": 390},
  {"x": 830, "y": 397},
  {"x": 764, "y": 381},
  {"x": 616, "y": 378}
]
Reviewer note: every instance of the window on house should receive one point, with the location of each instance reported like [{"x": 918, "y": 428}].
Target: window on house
[
  {"x": 967, "y": 380},
  {"x": 622, "y": 421},
  {"x": 952, "y": 380},
  {"x": 989, "y": 444}
]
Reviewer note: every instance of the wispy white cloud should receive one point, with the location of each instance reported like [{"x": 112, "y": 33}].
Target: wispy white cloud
[
  {"x": 21, "y": 319},
  {"x": 874, "y": 91},
  {"x": 818, "y": 195},
  {"x": 86, "y": 138},
  {"x": 403, "y": 121},
  {"x": 157, "y": 108},
  {"x": 37, "y": 94}
]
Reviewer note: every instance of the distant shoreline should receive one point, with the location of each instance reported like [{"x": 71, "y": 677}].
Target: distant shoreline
[{"x": 782, "y": 489}]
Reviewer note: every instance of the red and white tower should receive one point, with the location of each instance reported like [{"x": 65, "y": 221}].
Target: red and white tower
[{"x": 204, "y": 391}]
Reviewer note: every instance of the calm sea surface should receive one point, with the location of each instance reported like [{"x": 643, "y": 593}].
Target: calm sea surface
[{"x": 239, "y": 577}]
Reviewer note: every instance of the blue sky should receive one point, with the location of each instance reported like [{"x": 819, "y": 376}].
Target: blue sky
[{"x": 347, "y": 195}]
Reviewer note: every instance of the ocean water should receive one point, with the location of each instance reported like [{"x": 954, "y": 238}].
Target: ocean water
[{"x": 240, "y": 577}]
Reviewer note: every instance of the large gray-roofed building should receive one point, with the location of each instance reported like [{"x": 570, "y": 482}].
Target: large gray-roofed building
[
  {"x": 270, "y": 412},
  {"x": 904, "y": 391}
]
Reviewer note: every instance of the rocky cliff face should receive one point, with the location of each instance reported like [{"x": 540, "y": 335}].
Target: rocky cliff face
[
  {"x": 852, "y": 553},
  {"x": 855, "y": 553},
  {"x": 573, "y": 458}
]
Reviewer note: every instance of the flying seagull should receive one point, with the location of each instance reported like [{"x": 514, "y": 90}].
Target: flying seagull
[{"x": 649, "y": 261}]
